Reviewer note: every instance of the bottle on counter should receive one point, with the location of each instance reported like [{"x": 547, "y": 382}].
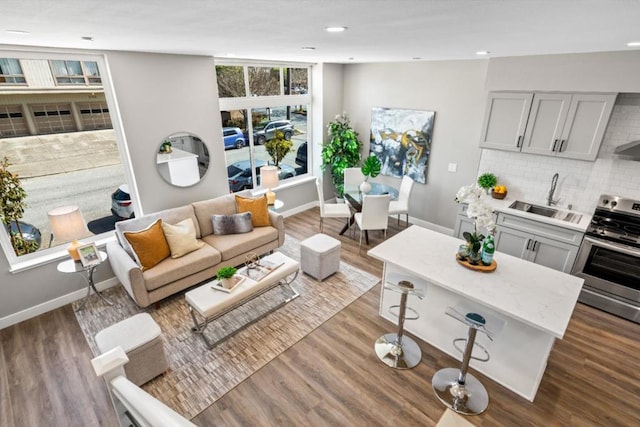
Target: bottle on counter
[{"x": 488, "y": 248}]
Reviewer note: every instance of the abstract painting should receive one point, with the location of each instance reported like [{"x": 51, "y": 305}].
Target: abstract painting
[{"x": 401, "y": 139}]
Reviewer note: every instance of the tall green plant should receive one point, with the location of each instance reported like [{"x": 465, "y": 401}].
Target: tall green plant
[
  {"x": 278, "y": 147},
  {"x": 342, "y": 151},
  {"x": 12, "y": 206}
]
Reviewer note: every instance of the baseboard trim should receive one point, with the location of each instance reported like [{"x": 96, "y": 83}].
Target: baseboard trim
[
  {"x": 425, "y": 224},
  {"x": 47, "y": 306},
  {"x": 299, "y": 209}
]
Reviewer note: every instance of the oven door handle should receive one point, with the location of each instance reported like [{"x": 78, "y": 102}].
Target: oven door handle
[{"x": 612, "y": 246}]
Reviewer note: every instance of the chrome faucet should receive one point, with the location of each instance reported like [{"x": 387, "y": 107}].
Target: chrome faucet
[{"x": 554, "y": 182}]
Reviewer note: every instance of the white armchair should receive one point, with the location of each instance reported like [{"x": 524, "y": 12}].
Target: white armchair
[
  {"x": 401, "y": 206},
  {"x": 331, "y": 210},
  {"x": 374, "y": 215}
]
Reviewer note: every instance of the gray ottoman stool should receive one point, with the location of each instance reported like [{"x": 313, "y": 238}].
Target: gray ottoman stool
[
  {"x": 320, "y": 256},
  {"x": 141, "y": 339}
]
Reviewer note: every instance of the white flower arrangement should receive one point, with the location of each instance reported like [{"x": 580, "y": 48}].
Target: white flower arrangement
[{"x": 479, "y": 210}]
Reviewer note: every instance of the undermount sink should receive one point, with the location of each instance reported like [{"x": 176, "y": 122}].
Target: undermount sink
[{"x": 546, "y": 211}]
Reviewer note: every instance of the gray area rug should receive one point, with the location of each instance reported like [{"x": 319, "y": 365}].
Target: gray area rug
[{"x": 198, "y": 376}]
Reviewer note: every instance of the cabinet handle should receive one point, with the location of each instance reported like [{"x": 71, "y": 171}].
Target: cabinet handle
[
  {"x": 528, "y": 243},
  {"x": 555, "y": 142},
  {"x": 561, "y": 145},
  {"x": 535, "y": 244},
  {"x": 519, "y": 141}
]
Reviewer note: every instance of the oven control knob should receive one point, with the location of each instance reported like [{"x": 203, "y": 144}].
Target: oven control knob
[
  {"x": 605, "y": 201},
  {"x": 613, "y": 204}
]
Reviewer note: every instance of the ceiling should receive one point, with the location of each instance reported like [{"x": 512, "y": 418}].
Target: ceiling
[{"x": 378, "y": 31}]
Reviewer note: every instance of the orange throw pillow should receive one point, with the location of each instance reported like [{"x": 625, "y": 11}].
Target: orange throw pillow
[
  {"x": 149, "y": 245},
  {"x": 258, "y": 208}
]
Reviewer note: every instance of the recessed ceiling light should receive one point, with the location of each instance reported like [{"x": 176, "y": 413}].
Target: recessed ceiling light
[
  {"x": 416, "y": 58},
  {"x": 351, "y": 58},
  {"x": 483, "y": 52},
  {"x": 18, "y": 32},
  {"x": 87, "y": 38},
  {"x": 308, "y": 48},
  {"x": 633, "y": 44},
  {"x": 335, "y": 29}
]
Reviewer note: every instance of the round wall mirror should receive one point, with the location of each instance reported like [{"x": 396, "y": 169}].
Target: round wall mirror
[{"x": 182, "y": 159}]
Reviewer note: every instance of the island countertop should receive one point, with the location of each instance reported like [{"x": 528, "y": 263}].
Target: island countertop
[{"x": 535, "y": 295}]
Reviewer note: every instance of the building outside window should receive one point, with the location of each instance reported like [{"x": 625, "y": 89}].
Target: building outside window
[
  {"x": 11, "y": 71},
  {"x": 278, "y": 101},
  {"x": 62, "y": 144},
  {"x": 76, "y": 72}
]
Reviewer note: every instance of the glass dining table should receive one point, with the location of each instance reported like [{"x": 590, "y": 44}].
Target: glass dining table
[{"x": 354, "y": 199}]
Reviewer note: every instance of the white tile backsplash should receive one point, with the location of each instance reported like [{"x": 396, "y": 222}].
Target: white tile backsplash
[{"x": 528, "y": 176}]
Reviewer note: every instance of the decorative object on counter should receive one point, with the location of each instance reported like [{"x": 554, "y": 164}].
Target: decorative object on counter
[
  {"x": 401, "y": 139},
  {"x": 225, "y": 275},
  {"x": 482, "y": 213},
  {"x": 487, "y": 181},
  {"x": 342, "y": 151},
  {"x": 370, "y": 169},
  {"x": 499, "y": 192},
  {"x": 165, "y": 147},
  {"x": 488, "y": 248},
  {"x": 479, "y": 266}
]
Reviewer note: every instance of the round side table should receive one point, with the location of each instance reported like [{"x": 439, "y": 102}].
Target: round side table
[{"x": 71, "y": 266}]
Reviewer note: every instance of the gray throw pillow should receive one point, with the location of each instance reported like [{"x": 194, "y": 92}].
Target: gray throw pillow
[{"x": 232, "y": 224}]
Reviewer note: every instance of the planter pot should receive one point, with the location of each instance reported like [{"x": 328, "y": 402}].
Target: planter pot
[{"x": 227, "y": 283}]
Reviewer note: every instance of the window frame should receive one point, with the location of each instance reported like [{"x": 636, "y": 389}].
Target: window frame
[
  {"x": 35, "y": 259},
  {"x": 250, "y": 103},
  {"x": 87, "y": 79},
  {"x": 14, "y": 76}
]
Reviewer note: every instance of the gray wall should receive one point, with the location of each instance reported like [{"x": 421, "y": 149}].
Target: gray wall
[{"x": 455, "y": 90}]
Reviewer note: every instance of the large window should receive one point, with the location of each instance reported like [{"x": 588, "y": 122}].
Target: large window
[
  {"x": 66, "y": 154},
  {"x": 11, "y": 71},
  {"x": 76, "y": 72},
  {"x": 278, "y": 103}
]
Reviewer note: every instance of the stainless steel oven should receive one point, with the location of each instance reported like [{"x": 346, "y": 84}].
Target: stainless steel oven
[{"x": 609, "y": 258}]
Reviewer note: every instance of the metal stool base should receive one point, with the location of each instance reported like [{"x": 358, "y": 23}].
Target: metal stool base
[
  {"x": 406, "y": 356},
  {"x": 468, "y": 399}
]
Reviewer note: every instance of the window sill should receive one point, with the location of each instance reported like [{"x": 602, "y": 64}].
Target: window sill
[
  {"x": 290, "y": 183},
  {"x": 54, "y": 255}
]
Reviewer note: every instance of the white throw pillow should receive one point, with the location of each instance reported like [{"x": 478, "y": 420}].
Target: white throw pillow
[{"x": 181, "y": 237}]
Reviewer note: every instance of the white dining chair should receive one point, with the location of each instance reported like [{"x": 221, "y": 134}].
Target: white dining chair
[
  {"x": 353, "y": 177},
  {"x": 374, "y": 215},
  {"x": 331, "y": 210},
  {"x": 401, "y": 205}
]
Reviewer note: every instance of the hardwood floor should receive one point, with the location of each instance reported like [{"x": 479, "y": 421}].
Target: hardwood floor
[{"x": 332, "y": 376}]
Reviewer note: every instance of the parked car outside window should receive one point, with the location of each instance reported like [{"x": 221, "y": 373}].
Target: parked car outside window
[
  {"x": 239, "y": 174},
  {"x": 233, "y": 138},
  {"x": 29, "y": 232},
  {"x": 301, "y": 159},
  {"x": 266, "y": 131}
]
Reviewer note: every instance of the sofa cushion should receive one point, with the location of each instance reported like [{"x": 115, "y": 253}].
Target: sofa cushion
[
  {"x": 258, "y": 207},
  {"x": 171, "y": 269},
  {"x": 223, "y": 205},
  {"x": 149, "y": 245},
  {"x": 231, "y": 245},
  {"x": 172, "y": 216},
  {"x": 181, "y": 237},
  {"x": 232, "y": 224}
]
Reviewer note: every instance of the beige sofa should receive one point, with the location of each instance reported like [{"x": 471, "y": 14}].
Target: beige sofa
[{"x": 174, "y": 275}]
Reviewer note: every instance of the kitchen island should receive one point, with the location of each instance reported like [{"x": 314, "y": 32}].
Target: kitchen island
[{"x": 527, "y": 306}]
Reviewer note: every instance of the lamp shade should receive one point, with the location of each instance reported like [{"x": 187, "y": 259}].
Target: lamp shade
[
  {"x": 269, "y": 179},
  {"x": 67, "y": 225}
]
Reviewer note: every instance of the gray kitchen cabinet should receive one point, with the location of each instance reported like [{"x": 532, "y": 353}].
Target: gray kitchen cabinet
[
  {"x": 505, "y": 120},
  {"x": 569, "y": 125},
  {"x": 543, "y": 244}
]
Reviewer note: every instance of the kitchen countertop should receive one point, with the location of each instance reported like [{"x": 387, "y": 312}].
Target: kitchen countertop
[
  {"x": 503, "y": 206},
  {"x": 538, "y": 296}
]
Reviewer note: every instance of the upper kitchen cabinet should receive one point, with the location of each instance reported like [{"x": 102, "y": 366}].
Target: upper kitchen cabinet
[
  {"x": 569, "y": 125},
  {"x": 505, "y": 120}
]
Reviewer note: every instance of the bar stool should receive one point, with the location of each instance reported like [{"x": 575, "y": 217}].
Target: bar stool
[
  {"x": 394, "y": 349},
  {"x": 456, "y": 388}
]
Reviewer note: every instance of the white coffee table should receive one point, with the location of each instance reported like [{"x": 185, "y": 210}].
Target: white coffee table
[{"x": 209, "y": 304}]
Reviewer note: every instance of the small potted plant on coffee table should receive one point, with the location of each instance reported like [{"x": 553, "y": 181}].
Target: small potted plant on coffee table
[{"x": 225, "y": 275}]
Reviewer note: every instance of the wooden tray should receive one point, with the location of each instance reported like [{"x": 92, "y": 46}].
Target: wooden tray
[{"x": 480, "y": 267}]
